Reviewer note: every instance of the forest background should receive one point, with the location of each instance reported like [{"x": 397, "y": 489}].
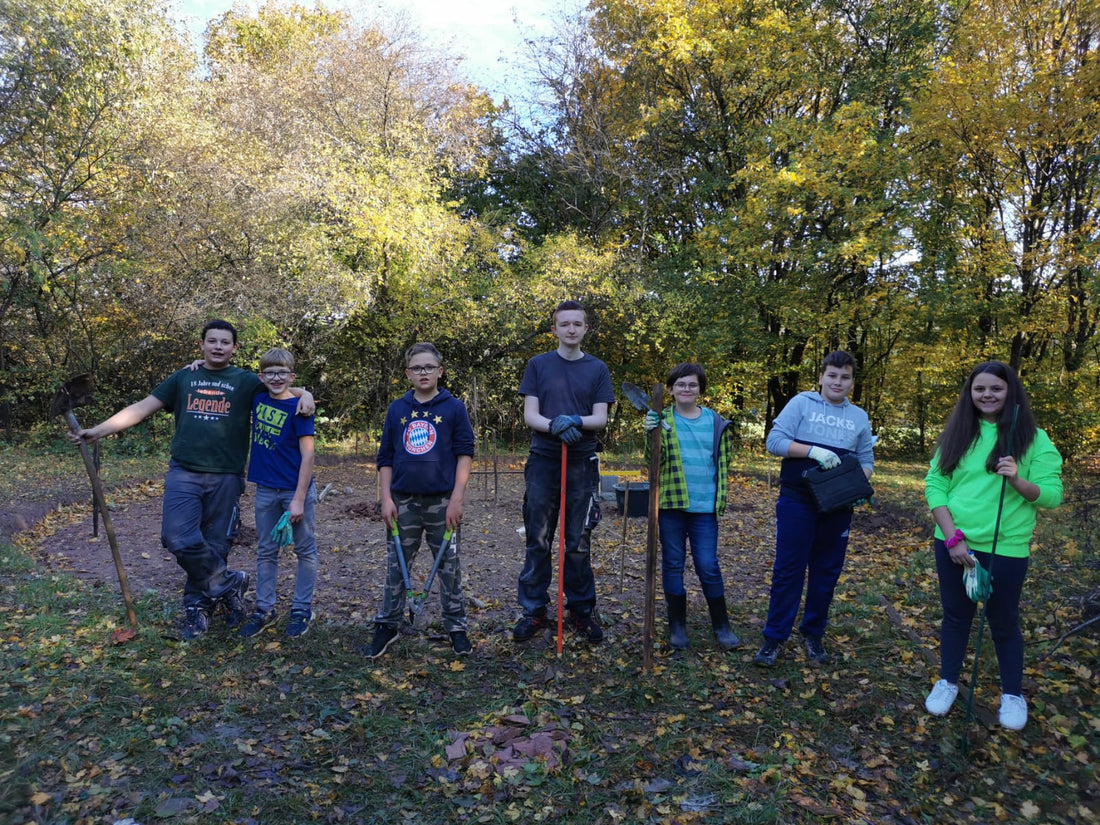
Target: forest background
[{"x": 745, "y": 184}]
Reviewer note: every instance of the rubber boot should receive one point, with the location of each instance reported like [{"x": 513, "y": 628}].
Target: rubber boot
[
  {"x": 719, "y": 619},
  {"x": 677, "y": 621}
]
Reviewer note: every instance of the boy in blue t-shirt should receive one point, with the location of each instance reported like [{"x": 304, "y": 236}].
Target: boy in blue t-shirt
[
  {"x": 423, "y": 466},
  {"x": 282, "y": 469},
  {"x": 211, "y": 401}
]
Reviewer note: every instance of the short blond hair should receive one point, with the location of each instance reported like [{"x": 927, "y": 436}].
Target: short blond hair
[{"x": 277, "y": 358}]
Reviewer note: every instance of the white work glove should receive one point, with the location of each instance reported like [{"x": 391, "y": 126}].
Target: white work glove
[
  {"x": 826, "y": 459},
  {"x": 652, "y": 421}
]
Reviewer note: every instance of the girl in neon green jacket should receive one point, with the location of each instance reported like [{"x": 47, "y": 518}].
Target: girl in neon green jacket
[{"x": 973, "y": 467}]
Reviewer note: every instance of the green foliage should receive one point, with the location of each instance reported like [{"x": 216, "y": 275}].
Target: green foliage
[{"x": 744, "y": 185}]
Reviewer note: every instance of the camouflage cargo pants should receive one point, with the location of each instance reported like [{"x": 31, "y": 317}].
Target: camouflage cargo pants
[{"x": 424, "y": 517}]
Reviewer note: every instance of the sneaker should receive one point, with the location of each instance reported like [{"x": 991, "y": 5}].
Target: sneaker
[
  {"x": 528, "y": 626},
  {"x": 767, "y": 655},
  {"x": 588, "y": 627},
  {"x": 1013, "y": 713},
  {"x": 384, "y": 634},
  {"x": 195, "y": 622},
  {"x": 236, "y": 613},
  {"x": 941, "y": 698},
  {"x": 258, "y": 622},
  {"x": 815, "y": 650},
  {"x": 299, "y": 623},
  {"x": 460, "y": 643}
]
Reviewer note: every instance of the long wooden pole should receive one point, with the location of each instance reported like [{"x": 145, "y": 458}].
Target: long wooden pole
[
  {"x": 657, "y": 400},
  {"x": 108, "y": 526},
  {"x": 622, "y": 544}
]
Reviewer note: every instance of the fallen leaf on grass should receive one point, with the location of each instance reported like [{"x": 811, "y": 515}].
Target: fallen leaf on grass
[
  {"x": 172, "y": 806},
  {"x": 814, "y": 807}
]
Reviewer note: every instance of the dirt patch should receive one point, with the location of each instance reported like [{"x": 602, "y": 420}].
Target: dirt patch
[{"x": 352, "y": 548}]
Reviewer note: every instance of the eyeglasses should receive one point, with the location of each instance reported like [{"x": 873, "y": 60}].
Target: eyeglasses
[
  {"x": 423, "y": 370},
  {"x": 276, "y": 375},
  {"x": 680, "y": 385}
]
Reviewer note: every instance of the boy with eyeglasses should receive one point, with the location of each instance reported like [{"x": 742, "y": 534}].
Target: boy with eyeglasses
[
  {"x": 212, "y": 404},
  {"x": 694, "y": 485},
  {"x": 282, "y": 470},
  {"x": 423, "y": 466}
]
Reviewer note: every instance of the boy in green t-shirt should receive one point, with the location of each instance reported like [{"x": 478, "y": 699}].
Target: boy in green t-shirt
[{"x": 212, "y": 405}]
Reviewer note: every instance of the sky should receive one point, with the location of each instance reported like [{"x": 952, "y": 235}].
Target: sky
[{"x": 488, "y": 33}]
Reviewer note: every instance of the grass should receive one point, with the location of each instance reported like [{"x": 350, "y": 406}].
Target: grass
[{"x": 268, "y": 731}]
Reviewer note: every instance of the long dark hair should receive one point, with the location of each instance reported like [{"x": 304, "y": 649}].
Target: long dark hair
[{"x": 962, "y": 428}]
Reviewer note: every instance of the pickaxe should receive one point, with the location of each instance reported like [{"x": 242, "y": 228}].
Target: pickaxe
[{"x": 77, "y": 392}]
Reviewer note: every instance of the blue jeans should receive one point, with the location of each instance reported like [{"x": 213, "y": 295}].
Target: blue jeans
[
  {"x": 1002, "y": 610},
  {"x": 809, "y": 551},
  {"x": 541, "y": 504},
  {"x": 270, "y": 506},
  {"x": 198, "y": 515},
  {"x": 677, "y": 528}
]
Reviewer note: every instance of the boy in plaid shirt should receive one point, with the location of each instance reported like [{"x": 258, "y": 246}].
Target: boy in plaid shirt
[{"x": 694, "y": 482}]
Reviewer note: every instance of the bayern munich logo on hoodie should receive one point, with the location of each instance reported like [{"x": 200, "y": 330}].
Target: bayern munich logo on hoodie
[{"x": 420, "y": 437}]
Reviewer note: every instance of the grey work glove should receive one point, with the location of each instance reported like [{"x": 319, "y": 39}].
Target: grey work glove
[
  {"x": 561, "y": 423},
  {"x": 826, "y": 459},
  {"x": 652, "y": 421}
]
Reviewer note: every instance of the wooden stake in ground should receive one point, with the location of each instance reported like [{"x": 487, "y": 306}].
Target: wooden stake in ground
[
  {"x": 75, "y": 393},
  {"x": 622, "y": 544},
  {"x": 657, "y": 401}
]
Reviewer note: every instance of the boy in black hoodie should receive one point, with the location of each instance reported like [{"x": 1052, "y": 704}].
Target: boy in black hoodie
[{"x": 423, "y": 466}]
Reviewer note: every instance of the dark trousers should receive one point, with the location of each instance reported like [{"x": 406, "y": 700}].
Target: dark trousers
[
  {"x": 809, "y": 552},
  {"x": 541, "y": 505},
  {"x": 1002, "y": 611},
  {"x": 198, "y": 517}
]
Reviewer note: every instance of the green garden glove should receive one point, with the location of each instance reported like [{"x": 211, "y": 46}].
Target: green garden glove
[
  {"x": 282, "y": 533},
  {"x": 978, "y": 582}
]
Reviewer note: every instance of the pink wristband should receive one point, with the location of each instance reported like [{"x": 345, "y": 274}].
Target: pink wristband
[{"x": 955, "y": 539}]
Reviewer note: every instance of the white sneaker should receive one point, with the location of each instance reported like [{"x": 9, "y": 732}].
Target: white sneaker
[
  {"x": 941, "y": 698},
  {"x": 1013, "y": 713}
]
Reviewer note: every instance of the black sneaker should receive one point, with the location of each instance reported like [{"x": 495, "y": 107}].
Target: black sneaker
[
  {"x": 384, "y": 634},
  {"x": 528, "y": 626},
  {"x": 815, "y": 650},
  {"x": 258, "y": 622},
  {"x": 588, "y": 627},
  {"x": 236, "y": 612},
  {"x": 299, "y": 623},
  {"x": 768, "y": 653},
  {"x": 196, "y": 620},
  {"x": 460, "y": 643}
]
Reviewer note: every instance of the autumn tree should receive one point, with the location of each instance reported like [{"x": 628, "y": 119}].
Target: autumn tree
[
  {"x": 775, "y": 132},
  {"x": 71, "y": 74},
  {"x": 1009, "y": 132}
]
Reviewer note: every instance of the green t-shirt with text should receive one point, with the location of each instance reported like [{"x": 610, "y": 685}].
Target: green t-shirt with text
[{"x": 213, "y": 412}]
